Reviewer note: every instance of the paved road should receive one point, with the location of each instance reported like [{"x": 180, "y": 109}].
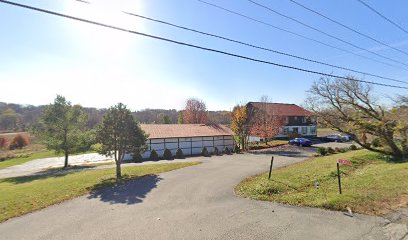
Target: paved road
[
  {"x": 191, "y": 203},
  {"x": 52, "y": 162}
]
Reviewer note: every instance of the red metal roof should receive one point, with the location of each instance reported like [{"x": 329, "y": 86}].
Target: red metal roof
[
  {"x": 185, "y": 130},
  {"x": 282, "y": 109}
]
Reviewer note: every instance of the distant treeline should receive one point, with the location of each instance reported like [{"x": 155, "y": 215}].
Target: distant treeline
[{"x": 18, "y": 117}]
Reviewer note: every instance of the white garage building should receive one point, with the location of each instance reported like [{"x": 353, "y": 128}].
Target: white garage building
[{"x": 190, "y": 138}]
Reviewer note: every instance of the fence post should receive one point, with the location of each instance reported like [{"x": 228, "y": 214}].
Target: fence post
[
  {"x": 270, "y": 168},
  {"x": 338, "y": 176}
]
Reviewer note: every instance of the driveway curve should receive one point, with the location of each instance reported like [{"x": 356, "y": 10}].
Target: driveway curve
[{"x": 192, "y": 203}]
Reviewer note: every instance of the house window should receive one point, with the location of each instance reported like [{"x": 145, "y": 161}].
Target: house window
[
  {"x": 303, "y": 119},
  {"x": 313, "y": 130},
  {"x": 285, "y": 131},
  {"x": 304, "y": 130}
]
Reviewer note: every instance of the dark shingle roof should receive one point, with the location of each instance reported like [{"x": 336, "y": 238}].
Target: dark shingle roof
[{"x": 282, "y": 109}]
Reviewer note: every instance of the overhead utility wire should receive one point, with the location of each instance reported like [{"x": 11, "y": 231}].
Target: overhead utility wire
[
  {"x": 254, "y": 46},
  {"x": 296, "y": 34},
  {"x": 383, "y": 16},
  {"x": 194, "y": 46},
  {"x": 348, "y": 27},
  {"x": 325, "y": 33}
]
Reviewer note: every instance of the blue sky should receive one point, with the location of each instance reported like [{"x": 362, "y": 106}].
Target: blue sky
[{"x": 43, "y": 55}]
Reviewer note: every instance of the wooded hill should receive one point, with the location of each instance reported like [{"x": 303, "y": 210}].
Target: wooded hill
[{"x": 20, "y": 117}]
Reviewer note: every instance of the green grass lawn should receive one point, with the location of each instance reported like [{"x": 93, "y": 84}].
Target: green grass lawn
[
  {"x": 21, "y": 195},
  {"x": 262, "y": 145},
  {"x": 372, "y": 185}
]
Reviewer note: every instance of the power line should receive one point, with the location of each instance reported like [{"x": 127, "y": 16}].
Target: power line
[
  {"x": 296, "y": 34},
  {"x": 383, "y": 16},
  {"x": 348, "y": 27},
  {"x": 325, "y": 33},
  {"x": 194, "y": 46},
  {"x": 253, "y": 46}
]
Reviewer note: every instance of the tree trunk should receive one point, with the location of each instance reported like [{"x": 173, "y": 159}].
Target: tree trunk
[
  {"x": 66, "y": 159},
  {"x": 118, "y": 171}
]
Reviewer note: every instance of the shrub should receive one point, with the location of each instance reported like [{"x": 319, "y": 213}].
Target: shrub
[
  {"x": 322, "y": 151},
  {"x": 227, "y": 151},
  {"x": 237, "y": 149},
  {"x": 137, "y": 157},
  {"x": 19, "y": 141},
  {"x": 96, "y": 147},
  {"x": 167, "y": 154},
  {"x": 330, "y": 150},
  {"x": 3, "y": 142},
  {"x": 376, "y": 142},
  {"x": 154, "y": 156},
  {"x": 343, "y": 150},
  {"x": 216, "y": 151},
  {"x": 179, "y": 154},
  {"x": 353, "y": 147},
  {"x": 204, "y": 152}
]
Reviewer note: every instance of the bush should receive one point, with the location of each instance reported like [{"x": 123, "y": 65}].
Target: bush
[
  {"x": 167, "y": 154},
  {"x": 204, "y": 152},
  {"x": 179, "y": 154},
  {"x": 376, "y": 142},
  {"x": 216, "y": 151},
  {"x": 322, "y": 151},
  {"x": 227, "y": 151},
  {"x": 342, "y": 150},
  {"x": 137, "y": 157},
  {"x": 154, "y": 156},
  {"x": 237, "y": 149},
  {"x": 96, "y": 147},
  {"x": 330, "y": 150},
  {"x": 3, "y": 142},
  {"x": 19, "y": 141},
  {"x": 353, "y": 147}
]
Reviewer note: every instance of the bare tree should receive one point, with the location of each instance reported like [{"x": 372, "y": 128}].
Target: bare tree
[
  {"x": 265, "y": 122},
  {"x": 349, "y": 107},
  {"x": 195, "y": 111}
]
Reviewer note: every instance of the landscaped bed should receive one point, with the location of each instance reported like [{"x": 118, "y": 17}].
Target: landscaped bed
[
  {"x": 372, "y": 185},
  {"x": 21, "y": 195}
]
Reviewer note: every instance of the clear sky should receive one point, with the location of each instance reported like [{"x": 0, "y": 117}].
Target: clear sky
[{"x": 43, "y": 55}]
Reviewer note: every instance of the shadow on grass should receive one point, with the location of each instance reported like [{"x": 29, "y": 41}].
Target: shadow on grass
[
  {"x": 45, "y": 174},
  {"x": 125, "y": 191}
]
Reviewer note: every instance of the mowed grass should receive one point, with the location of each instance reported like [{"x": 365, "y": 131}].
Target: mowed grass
[
  {"x": 262, "y": 145},
  {"x": 371, "y": 186},
  {"x": 21, "y": 195},
  {"x": 325, "y": 131}
]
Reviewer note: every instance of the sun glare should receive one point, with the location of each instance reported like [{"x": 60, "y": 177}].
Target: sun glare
[{"x": 102, "y": 41}]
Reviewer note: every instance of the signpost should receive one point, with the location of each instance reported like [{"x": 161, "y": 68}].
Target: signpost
[
  {"x": 270, "y": 168},
  {"x": 342, "y": 162}
]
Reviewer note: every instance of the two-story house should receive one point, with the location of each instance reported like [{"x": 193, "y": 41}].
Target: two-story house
[{"x": 295, "y": 119}]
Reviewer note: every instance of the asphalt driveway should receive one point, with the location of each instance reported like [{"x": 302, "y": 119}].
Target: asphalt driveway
[{"x": 192, "y": 203}]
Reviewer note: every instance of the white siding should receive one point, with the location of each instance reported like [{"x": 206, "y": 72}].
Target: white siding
[{"x": 188, "y": 145}]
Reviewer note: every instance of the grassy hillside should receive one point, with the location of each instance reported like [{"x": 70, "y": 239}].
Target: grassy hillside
[{"x": 372, "y": 185}]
